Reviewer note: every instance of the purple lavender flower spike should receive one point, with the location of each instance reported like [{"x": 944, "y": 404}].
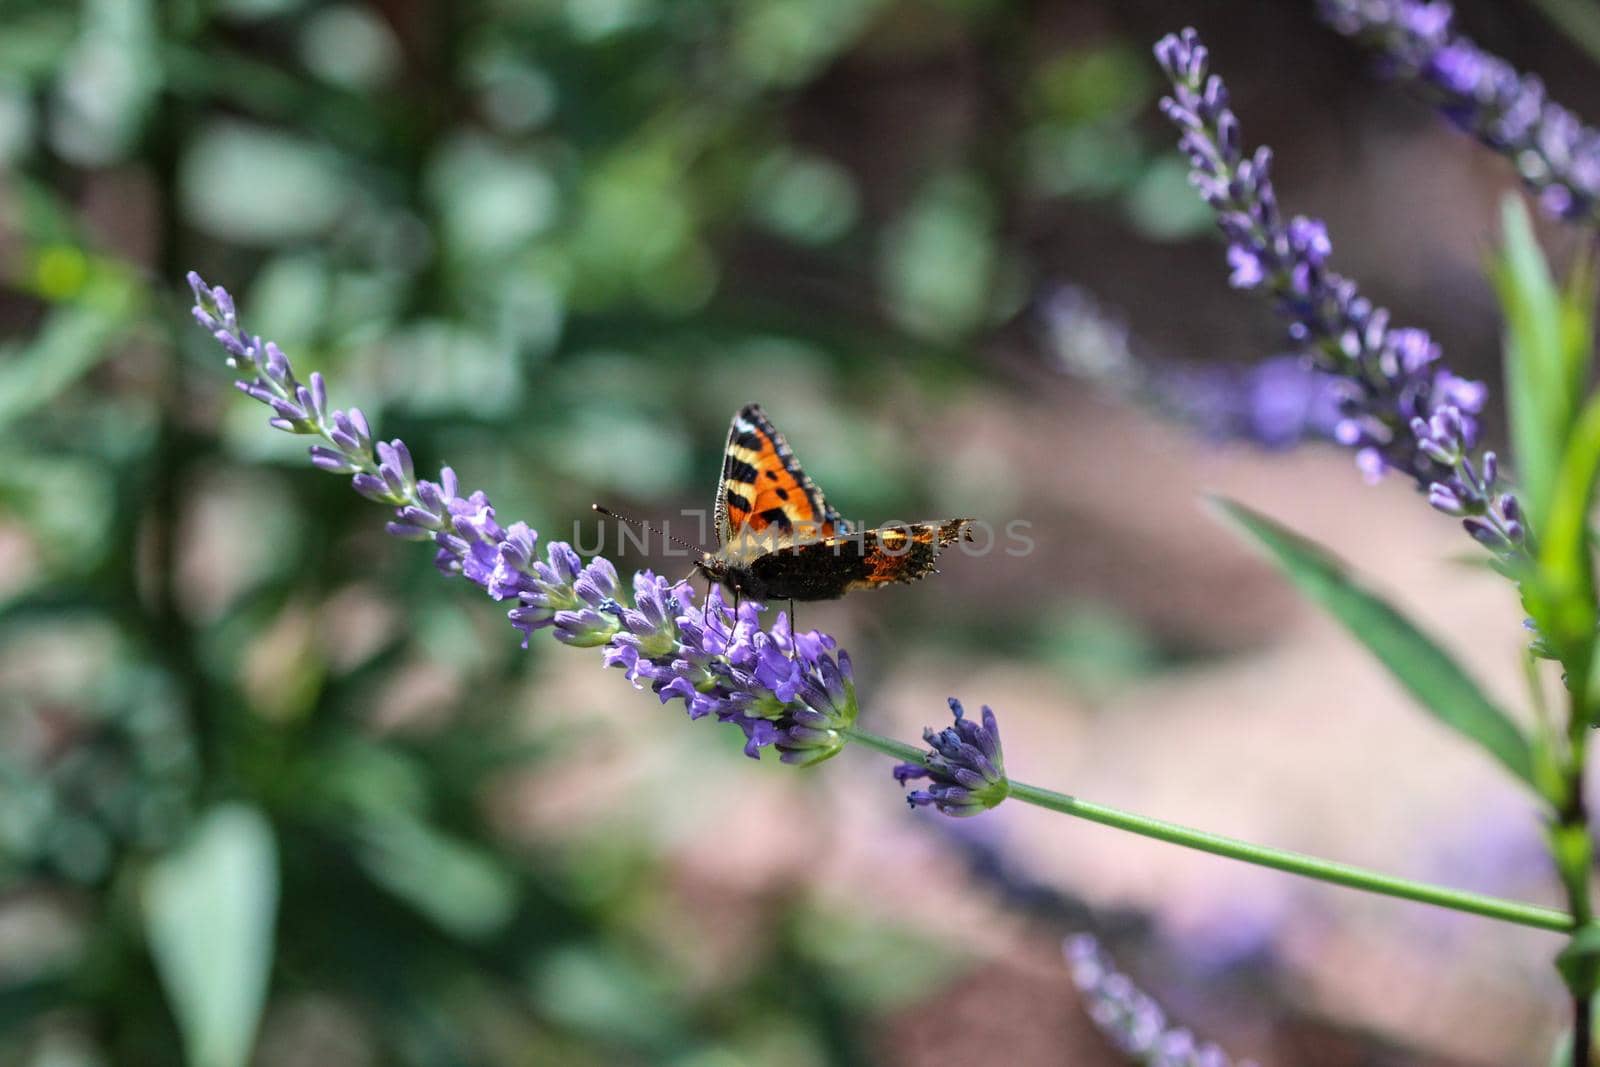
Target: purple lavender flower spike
[
  {"x": 469, "y": 545},
  {"x": 544, "y": 588},
  {"x": 1554, "y": 153},
  {"x": 1129, "y": 1017},
  {"x": 649, "y": 632},
  {"x": 1400, "y": 409},
  {"x": 965, "y": 765},
  {"x": 790, "y": 692}
]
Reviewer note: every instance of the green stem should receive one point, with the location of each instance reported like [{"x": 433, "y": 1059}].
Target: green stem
[
  {"x": 1574, "y": 854},
  {"x": 1293, "y": 862}
]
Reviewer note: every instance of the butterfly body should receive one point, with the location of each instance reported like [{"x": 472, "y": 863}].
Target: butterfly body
[{"x": 778, "y": 539}]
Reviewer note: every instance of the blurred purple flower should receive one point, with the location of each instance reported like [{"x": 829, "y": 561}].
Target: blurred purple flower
[
  {"x": 789, "y": 691},
  {"x": 1399, "y": 408},
  {"x": 1277, "y": 403},
  {"x": 1554, "y": 153},
  {"x": 1130, "y": 1017},
  {"x": 965, "y": 765}
]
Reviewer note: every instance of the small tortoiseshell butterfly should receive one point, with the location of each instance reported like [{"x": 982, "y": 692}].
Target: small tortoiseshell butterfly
[{"x": 777, "y": 538}]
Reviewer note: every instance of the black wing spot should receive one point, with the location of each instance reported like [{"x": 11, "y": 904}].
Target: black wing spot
[
  {"x": 738, "y": 502},
  {"x": 778, "y": 517},
  {"x": 783, "y": 494},
  {"x": 746, "y": 439},
  {"x": 737, "y": 470},
  {"x": 772, "y": 476}
]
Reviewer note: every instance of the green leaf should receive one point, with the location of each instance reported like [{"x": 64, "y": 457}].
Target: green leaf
[
  {"x": 1427, "y": 672},
  {"x": 1579, "y": 961},
  {"x": 462, "y": 887},
  {"x": 1577, "y": 319},
  {"x": 1547, "y": 352},
  {"x": 1561, "y": 595},
  {"x": 939, "y": 262},
  {"x": 71, "y": 342},
  {"x": 209, "y": 910}
]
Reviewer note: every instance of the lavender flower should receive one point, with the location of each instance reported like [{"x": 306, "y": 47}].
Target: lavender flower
[
  {"x": 1399, "y": 409},
  {"x": 1276, "y": 403},
  {"x": 791, "y": 692},
  {"x": 965, "y": 765},
  {"x": 464, "y": 529},
  {"x": 1130, "y": 1017},
  {"x": 785, "y": 690},
  {"x": 1554, "y": 153}
]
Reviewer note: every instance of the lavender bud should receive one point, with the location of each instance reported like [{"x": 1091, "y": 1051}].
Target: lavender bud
[
  {"x": 408, "y": 531},
  {"x": 1247, "y": 270},
  {"x": 371, "y": 487},
  {"x": 327, "y": 459},
  {"x": 1483, "y": 533},
  {"x": 1445, "y": 499},
  {"x": 965, "y": 766},
  {"x": 276, "y": 364}
]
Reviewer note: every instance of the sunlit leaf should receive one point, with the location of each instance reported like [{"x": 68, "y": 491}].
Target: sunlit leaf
[
  {"x": 1088, "y": 160},
  {"x": 210, "y": 908},
  {"x": 73, "y": 339},
  {"x": 463, "y": 888},
  {"x": 604, "y": 993},
  {"x": 1108, "y": 79},
  {"x": 1162, "y": 204},
  {"x": 1546, "y": 361},
  {"x": 106, "y": 83},
  {"x": 939, "y": 262},
  {"x": 1561, "y": 595},
  {"x": 805, "y": 198},
  {"x": 254, "y": 185},
  {"x": 490, "y": 200},
  {"x": 349, "y": 45}
]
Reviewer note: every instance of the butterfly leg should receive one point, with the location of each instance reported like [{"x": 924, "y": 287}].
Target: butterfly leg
[{"x": 794, "y": 649}]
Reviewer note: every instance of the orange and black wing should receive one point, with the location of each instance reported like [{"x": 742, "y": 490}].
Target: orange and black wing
[
  {"x": 869, "y": 559},
  {"x": 764, "y": 491}
]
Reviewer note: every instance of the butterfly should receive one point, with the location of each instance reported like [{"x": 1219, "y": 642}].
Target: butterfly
[{"x": 778, "y": 539}]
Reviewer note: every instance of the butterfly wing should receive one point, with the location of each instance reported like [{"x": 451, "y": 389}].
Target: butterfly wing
[
  {"x": 830, "y": 568},
  {"x": 764, "y": 493}
]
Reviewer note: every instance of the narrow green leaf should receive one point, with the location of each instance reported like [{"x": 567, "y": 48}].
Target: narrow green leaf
[
  {"x": 1540, "y": 388},
  {"x": 209, "y": 911},
  {"x": 72, "y": 341},
  {"x": 461, "y": 887},
  {"x": 1577, "y": 320},
  {"x": 1427, "y": 672},
  {"x": 1561, "y": 597}
]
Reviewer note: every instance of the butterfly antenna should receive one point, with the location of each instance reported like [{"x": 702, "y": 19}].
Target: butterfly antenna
[{"x": 640, "y": 524}]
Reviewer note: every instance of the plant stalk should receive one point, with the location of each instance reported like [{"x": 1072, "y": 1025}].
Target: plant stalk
[
  {"x": 1574, "y": 854},
  {"x": 1278, "y": 859}
]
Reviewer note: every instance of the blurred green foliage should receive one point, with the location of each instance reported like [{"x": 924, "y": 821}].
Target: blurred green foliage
[{"x": 246, "y": 743}]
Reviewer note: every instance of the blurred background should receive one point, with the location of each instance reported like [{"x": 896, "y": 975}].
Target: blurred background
[{"x": 273, "y": 792}]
